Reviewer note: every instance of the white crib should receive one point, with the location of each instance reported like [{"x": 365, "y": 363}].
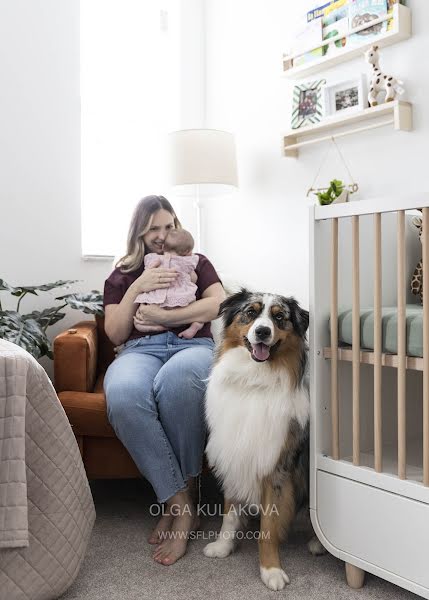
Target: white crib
[{"x": 369, "y": 500}]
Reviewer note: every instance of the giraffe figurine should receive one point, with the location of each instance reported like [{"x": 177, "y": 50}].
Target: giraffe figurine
[
  {"x": 379, "y": 81},
  {"x": 417, "y": 278}
]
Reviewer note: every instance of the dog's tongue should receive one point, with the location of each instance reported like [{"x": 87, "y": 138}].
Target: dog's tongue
[{"x": 261, "y": 351}]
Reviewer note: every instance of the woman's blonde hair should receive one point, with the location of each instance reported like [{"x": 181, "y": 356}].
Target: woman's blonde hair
[{"x": 139, "y": 226}]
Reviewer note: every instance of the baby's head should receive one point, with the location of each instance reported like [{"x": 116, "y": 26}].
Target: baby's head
[{"x": 179, "y": 241}]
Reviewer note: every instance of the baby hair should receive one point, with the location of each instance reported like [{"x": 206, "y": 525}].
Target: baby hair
[{"x": 179, "y": 241}]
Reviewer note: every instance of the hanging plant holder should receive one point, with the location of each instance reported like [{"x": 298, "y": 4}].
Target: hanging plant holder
[
  {"x": 336, "y": 192},
  {"x": 351, "y": 188}
]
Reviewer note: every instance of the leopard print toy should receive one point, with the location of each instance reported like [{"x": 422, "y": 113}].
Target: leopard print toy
[{"x": 417, "y": 278}]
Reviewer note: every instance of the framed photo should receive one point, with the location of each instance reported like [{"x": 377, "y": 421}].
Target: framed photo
[
  {"x": 307, "y": 106},
  {"x": 345, "y": 96}
]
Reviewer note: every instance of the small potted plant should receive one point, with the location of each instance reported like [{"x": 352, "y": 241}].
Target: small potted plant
[{"x": 336, "y": 192}]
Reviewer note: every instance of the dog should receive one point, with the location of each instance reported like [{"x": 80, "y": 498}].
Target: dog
[{"x": 257, "y": 412}]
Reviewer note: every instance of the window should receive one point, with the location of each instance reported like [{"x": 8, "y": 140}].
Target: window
[{"x": 130, "y": 100}]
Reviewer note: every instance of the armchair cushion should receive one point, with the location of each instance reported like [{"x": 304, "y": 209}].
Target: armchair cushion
[
  {"x": 87, "y": 413},
  {"x": 75, "y": 358},
  {"x": 81, "y": 357}
]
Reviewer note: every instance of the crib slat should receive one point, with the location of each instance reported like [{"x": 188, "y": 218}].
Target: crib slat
[
  {"x": 378, "y": 430},
  {"x": 425, "y": 255},
  {"x": 356, "y": 341},
  {"x": 335, "y": 432},
  {"x": 401, "y": 293}
]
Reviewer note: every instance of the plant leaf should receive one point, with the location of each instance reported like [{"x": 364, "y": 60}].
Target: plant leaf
[
  {"x": 26, "y": 333},
  {"x": 90, "y": 303},
  {"x": 337, "y": 186},
  {"x": 48, "y": 316},
  {"x": 32, "y": 289},
  {"x": 61, "y": 283},
  {"x": 6, "y": 286},
  {"x": 15, "y": 291}
]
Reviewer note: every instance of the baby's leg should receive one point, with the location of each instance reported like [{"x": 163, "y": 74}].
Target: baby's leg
[{"x": 189, "y": 333}]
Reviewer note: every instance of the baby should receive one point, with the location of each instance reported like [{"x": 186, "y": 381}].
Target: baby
[{"x": 177, "y": 255}]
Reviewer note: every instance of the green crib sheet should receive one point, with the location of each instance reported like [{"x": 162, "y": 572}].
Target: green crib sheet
[{"x": 414, "y": 318}]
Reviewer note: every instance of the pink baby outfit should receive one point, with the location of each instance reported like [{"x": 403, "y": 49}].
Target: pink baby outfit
[{"x": 182, "y": 291}]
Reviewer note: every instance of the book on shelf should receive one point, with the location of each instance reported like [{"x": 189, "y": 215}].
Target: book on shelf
[
  {"x": 307, "y": 34},
  {"x": 337, "y": 10},
  {"x": 362, "y": 12},
  {"x": 318, "y": 11},
  {"x": 390, "y": 5},
  {"x": 335, "y": 18},
  {"x": 335, "y": 29}
]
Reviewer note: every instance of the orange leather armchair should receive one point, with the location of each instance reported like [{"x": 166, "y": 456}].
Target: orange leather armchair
[{"x": 81, "y": 357}]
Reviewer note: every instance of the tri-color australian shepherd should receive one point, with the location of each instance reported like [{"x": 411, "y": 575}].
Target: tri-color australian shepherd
[{"x": 257, "y": 411}]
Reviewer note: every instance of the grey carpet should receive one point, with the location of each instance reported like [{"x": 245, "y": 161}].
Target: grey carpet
[{"x": 118, "y": 564}]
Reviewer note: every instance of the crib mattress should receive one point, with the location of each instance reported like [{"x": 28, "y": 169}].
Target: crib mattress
[{"x": 414, "y": 324}]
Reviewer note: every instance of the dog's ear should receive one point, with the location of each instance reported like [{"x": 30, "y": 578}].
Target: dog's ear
[
  {"x": 299, "y": 317},
  {"x": 232, "y": 305}
]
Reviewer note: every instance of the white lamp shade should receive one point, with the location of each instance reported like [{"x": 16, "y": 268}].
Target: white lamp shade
[{"x": 202, "y": 156}]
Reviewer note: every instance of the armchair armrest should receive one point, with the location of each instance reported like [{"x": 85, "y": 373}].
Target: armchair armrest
[{"x": 75, "y": 358}]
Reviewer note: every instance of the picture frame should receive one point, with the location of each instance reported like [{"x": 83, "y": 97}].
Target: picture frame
[
  {"x": 344, "y": 97},
  {"x": 307, "y": 107}
]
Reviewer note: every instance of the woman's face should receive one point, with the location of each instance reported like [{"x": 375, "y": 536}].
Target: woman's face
[{"x": 162, "y": 222}]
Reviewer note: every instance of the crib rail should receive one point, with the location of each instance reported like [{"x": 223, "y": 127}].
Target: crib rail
[
  {"x": 400, "y": 261},
  {"x": 366, "y": 357},
  {"x": 378, "y": 425},
  {"x": 335, "y": 425},
  {"x": 377, "y": 358},
  {"x": 425, "y": 251}
]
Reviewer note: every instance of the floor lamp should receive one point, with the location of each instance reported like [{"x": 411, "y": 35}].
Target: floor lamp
[{"x": 199, "y": 157}]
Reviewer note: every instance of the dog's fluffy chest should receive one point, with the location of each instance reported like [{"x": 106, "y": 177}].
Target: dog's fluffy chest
[{"x": 248, "y": 409}]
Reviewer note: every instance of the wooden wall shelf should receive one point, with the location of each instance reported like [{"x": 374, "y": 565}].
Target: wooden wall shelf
[
  {"x": 398, "y": 114},
  {"x": 401, "y": 30}
]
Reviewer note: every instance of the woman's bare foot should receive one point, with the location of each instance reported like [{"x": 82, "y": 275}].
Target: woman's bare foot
[
  {"x": 163, "y": 525},
  {"x": 176, "y": 539},
  {"x": 190, "y": 332}
]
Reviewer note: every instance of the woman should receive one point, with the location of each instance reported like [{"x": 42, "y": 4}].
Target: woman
[{"x": 155, "y": 387}]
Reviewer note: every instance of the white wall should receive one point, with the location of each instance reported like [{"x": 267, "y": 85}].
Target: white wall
[
  {"x": 260, "y": 235},
  {"x": 40, "y": 218},
  {"x": 40, "y": 151}
]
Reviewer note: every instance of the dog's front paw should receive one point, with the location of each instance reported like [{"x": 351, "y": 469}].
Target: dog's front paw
[
  {"x": 315, "y": 547},
  {"x": 219, "y": 549},
  {"x": 274, "y": 578}
]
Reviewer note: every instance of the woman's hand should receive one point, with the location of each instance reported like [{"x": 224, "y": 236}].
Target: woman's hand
[
  {"x": 147, "y": 326},
  {"x": 204, "y": 310},
  {"x": 154, "y": 278},
  {"x": 150, "y": 314}
]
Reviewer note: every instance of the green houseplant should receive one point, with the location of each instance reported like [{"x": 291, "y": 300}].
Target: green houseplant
[
  {"x": 28, "y": 330},
  {"x": 335, "y": 189}
]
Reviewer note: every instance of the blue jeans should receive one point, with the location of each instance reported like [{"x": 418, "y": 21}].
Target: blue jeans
[{"x": 155, "y": 403}]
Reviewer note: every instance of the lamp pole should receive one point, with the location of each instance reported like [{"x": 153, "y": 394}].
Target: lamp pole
[{"x": 197, "y": 206}]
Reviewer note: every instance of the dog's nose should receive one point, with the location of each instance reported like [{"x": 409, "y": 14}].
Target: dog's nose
[{"x": 263, "y": 332}]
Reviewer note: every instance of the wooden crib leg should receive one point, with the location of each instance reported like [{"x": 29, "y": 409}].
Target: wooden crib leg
[{"x": 355, "y": 576}]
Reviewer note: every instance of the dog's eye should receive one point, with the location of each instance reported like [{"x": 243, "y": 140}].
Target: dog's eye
[
  {"x": 251, "y": 312},
  {"x": 279, "y": 317}
]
